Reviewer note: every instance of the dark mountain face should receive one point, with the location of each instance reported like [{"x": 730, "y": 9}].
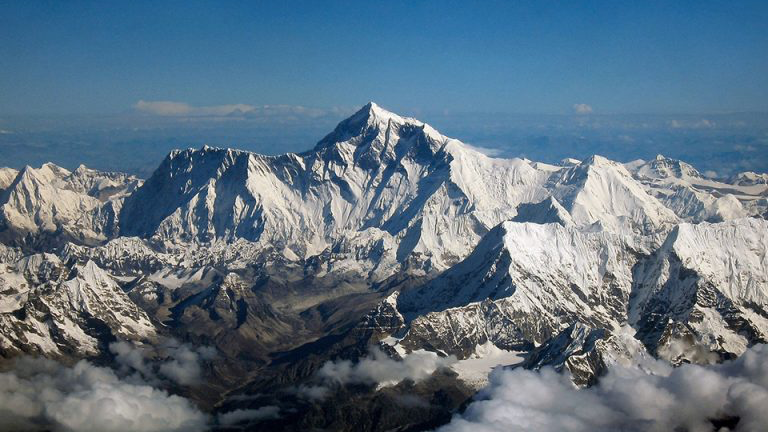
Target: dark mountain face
[{"x": 372, "y": 282}]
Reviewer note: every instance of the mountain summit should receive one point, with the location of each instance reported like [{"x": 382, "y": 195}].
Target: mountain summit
[{"x": 395, "y": 179}]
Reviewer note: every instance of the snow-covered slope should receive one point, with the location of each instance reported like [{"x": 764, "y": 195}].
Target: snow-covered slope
[
  {"x": 603, "y": 192},
  {"x": 706, "y": 286},
  {"x": 701, "y": 296},
  {"x": 51, "y": 203},
  {"x": 424, "y": 200},
  {"x": 6, "y": 177},
  {"x": 55, "y": 309},
  {"x": 586, "y": 353},
  {"x": 749, "y": 178},
  {"x": 518, "y": 288},
  {"x": 547, "y": 211},
  {"x": 434, "y": 196},
  {"x": 694, "y": 198}
]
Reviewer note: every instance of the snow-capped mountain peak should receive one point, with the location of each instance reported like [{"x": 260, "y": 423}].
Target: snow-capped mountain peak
[
  {"x": 601, "y": 191},
  {"x": 664, "y": 167},
  {"x": 50, "y": 200},
  {"x": 376, "y": 171}
]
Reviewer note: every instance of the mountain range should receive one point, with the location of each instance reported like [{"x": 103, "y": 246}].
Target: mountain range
[{"x": 387, "y": 242}]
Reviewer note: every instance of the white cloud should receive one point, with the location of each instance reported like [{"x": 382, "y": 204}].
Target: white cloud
[
  {"x": 40, "y": 394},
  {"x": 488, "y": 151},
  {"x": 312, "y": 392},
  {"x": 376, "y": 369},
  {"x": 582, "y": 108},
  {"x": 382, "y": 370},
  {"x": 627, "y": 399},
  {"x": 245, "y": 415},
  {"x": 180, "y": 363},
  {"x": 169, "y": 108},
  {"x": 184, "y": 362}
]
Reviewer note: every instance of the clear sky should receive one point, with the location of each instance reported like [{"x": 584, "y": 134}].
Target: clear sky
[{"x": 540, "y": 56}]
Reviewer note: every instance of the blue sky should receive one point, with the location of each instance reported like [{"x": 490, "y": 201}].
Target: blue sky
[
  {"x": 413, "y": 56},
  {"x": 116, "y": 85}
]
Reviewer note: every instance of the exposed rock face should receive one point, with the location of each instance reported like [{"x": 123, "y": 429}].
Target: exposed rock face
[
  {"x": 586, "y": 352},
  {"x": 707, "y": 282}
]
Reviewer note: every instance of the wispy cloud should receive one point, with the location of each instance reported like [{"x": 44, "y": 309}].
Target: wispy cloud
[
  {"x": 183, "y": 109},
  {"x": 488, "y": 151},
  {"x": 170, "y": 360},
  {"x": 376, "y": 369},
  {"x": 249, "y": 415},
  {"x": 170, "y": 108},
  {"x": 691, "y": 124}
]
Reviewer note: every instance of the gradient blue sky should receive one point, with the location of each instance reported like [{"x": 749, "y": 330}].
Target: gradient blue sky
[{"x": 512, "y": 57}]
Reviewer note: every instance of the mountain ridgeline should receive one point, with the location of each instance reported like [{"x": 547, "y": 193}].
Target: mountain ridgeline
[{"x": 387, "y": 238}]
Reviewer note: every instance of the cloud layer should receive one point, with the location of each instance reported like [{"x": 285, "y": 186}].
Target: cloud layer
[
  {"x": 40, "y": 394},
  {"x": 170, "y": 108},
  {"x": 627, "y": 399}
]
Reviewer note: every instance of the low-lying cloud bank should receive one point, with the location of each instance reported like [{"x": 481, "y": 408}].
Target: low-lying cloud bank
[
  {"x": 169, "y": 361},
  {"x": 41, "y": 394},
  {"x": 651, "y": 398},
  {"x": 237, "y": 110},
  {"x": 380, "y": 369},
  {"x": 376, "y": 369}
]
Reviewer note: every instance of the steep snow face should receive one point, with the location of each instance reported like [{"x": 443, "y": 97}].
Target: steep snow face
[
  {"x": 6, "y": 177},
  {"x": 390, "y": 192},
  {"x": 706, "y": 287},
  {"x": 602, "y": 192},
  {"x": 702, "y": 296},
  {"x": 104, "y": 186},
  {"x": 80, "y": 206},
  {"x": 662, "y": 167},
  {"x": 694, "y": 198},
  {"x": 423, "y": 200},
  {"x": 53, "y": 309},
  {"x": 749, "y": 178},
  {"x": 520, "y": 285},
  {"x": 431, "y": 195}
]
